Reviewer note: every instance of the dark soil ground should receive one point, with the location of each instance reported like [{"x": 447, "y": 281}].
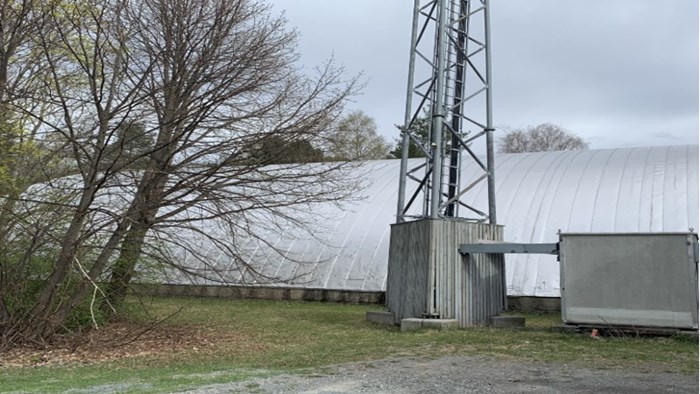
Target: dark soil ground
[{"x": 117, "y": 341}]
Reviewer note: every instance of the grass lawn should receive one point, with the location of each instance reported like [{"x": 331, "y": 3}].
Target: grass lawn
[{"x": 236, "y": 339}]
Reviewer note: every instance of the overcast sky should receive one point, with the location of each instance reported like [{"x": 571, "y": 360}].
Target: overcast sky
[{"x": 619, "y": 73}]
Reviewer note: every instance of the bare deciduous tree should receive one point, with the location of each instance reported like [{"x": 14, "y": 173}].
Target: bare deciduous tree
[
  {"x": 542, "y": 138},
  {"x": 202, "y": 81},
  {"x": 227, "y": 81}
]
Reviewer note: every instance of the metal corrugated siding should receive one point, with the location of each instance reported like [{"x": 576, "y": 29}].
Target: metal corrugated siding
[
  {"x": 479, "y": 285},
  {"x": 470, "y": 291},
  {"x": 650, "y": 189}
]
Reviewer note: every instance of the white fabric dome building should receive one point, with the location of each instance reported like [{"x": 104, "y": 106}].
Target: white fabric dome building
[{"x": 650, "y": 189}]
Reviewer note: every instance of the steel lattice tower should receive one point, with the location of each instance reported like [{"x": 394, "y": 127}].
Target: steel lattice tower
[{"x": 449, "y": 82}]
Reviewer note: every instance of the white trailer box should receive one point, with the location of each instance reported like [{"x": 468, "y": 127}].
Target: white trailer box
[{"x": 636, "y": 279}]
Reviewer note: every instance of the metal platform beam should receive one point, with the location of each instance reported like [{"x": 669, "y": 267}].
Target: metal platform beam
[{"x": 510, "y": 247}]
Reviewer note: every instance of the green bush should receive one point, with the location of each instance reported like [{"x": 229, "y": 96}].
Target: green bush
[{"x": 86, "y": 314}]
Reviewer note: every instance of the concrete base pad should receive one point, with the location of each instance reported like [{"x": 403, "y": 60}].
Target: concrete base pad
[
  {"x": 507, "y": 321},
  {"x": 411, "y": 324},
  {"x": 381, "y": 317}
]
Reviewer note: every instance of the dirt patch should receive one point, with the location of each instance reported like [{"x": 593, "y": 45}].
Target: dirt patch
[{"x": 119, "y": 341}]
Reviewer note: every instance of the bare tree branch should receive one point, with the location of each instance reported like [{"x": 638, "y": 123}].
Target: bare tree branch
[{"x": 542, "y": 138}]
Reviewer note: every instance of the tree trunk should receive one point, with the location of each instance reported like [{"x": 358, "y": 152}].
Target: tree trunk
[
  {"x": 146, "y": 203},
  {"x": 123, "y": 269},
  {"x": 41, "y": 323}
]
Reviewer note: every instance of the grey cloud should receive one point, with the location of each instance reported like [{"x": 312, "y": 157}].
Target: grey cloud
[{"x": 616, "y": 72}]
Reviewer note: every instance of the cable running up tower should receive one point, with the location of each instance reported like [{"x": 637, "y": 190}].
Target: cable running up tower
[{"x": 449, "y": 82}]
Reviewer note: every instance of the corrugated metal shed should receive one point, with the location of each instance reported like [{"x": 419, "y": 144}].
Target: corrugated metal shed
[{"x": 650, "y": 189}]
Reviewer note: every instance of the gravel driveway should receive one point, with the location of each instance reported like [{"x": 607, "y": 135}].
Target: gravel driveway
[{"x": 462, "y": 375}]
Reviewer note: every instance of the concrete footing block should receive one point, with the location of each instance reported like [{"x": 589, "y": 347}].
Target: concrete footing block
[
  {"x": 381, "y": 317},
  {"x": 440, "y": 324},
  {"x": 412, "y": 324},
  {"x": 507, "y": 321}
]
